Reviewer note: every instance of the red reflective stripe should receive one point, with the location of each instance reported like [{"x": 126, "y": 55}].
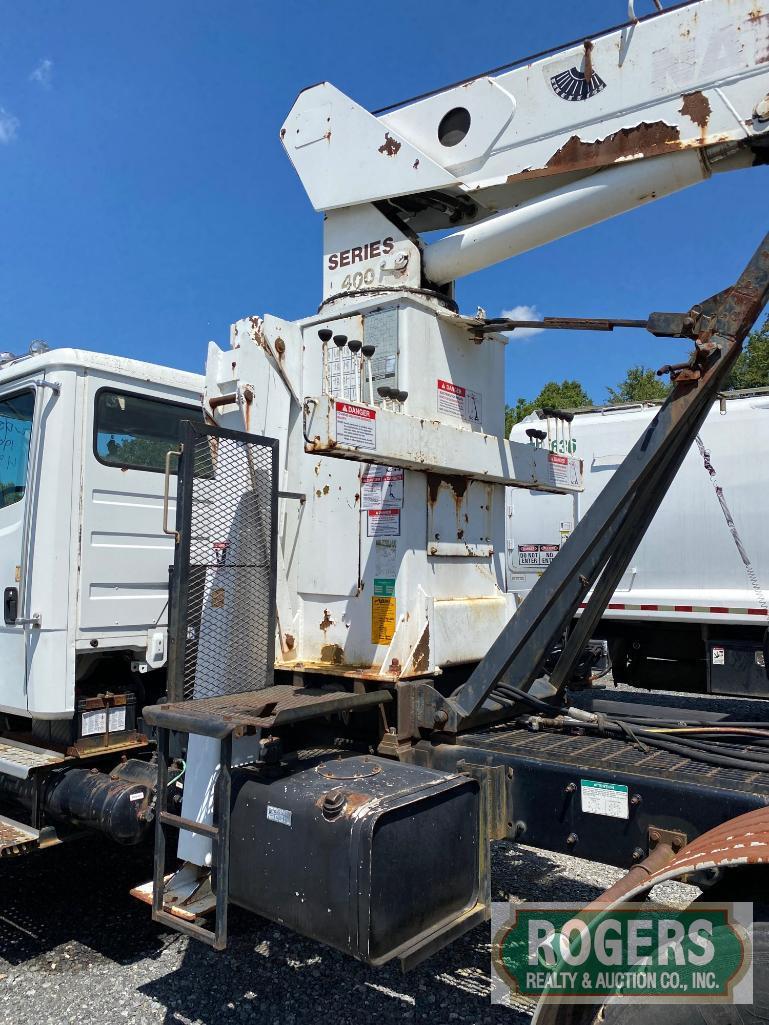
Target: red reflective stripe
[
  {"x": 649, "y": 608},
  {"x": 757, "y": 612},
  {"x": 719, "y": 608},
  {"x": 683, "y": 608},
  {"x": 616, "y": 606}
]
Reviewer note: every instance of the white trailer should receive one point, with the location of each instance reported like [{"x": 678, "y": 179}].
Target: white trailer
[{"x": 691, "y": 608}]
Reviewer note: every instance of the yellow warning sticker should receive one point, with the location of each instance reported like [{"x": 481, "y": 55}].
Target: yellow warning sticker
[{"x": 382, "y": 620}]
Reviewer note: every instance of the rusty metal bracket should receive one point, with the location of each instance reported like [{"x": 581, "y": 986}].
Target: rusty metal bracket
[
  {"x": 672, "y": 838},
  {"x": 422, "y": 707},
  {"x": 493, "y": 780}
]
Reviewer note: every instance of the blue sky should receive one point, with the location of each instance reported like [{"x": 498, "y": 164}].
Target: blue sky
[{"x": 146, "y": 202}]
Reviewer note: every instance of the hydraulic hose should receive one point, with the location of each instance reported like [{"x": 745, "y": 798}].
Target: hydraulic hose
[{"x": 627, "y": 728}]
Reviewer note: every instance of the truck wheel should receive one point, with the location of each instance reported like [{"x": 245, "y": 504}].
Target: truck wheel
[
  {"x": 736, "y": 885},
  {"x": 756, "y": 1013}
]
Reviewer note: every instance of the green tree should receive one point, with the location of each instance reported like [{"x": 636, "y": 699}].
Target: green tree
[
  {"x": 137, "y": 452},
  {"x": 640, "y": 385},
  {"x": 752, "y": 367},
  {"x": 566, "y": 395}
]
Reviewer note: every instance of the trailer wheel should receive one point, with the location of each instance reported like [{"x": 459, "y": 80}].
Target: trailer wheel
[
  {"x": 618, "y": 659},
  {"x": 613, "y": 1012}
]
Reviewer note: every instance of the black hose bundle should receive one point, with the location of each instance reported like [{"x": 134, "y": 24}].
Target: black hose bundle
[{"x": 723, "y": 750}]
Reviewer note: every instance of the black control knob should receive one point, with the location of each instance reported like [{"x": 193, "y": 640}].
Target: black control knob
[
  {"x": 354, "y": 345},
  {"x": 324, "y": 334},
  {"x": 340, "y": 341},
  {"x": 368, "y": 351}
]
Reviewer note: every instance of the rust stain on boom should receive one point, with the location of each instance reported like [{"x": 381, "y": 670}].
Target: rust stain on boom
[
  {"x": 697, "y": 107},
  {"x": 641, "y": 140},
  {"x": 390, "y": 146}
]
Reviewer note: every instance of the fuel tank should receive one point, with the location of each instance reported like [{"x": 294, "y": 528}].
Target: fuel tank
[{"x": 370, "y": 856}]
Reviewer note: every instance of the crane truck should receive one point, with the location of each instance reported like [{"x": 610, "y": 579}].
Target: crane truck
[{"x": 352, "y": 713}]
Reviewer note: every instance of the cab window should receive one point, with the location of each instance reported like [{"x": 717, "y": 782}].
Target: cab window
[
  {"x": 131, "y": 431},
  {"x": 16, "y": 413}
]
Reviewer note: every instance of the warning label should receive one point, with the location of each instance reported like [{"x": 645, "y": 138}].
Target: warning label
[
  {"x": 381, "y": 487},
  {"x": 95, "y": 721},
  {"x": 355, "y": 425},
  {"x": 604, "y": 799},
  {"x": 382, "y": 620},
  {"x": 537, "y": 555},
  {"x": 561, "y": 471},
  {"x": 383, "y": 523},
  {"x": 454, "y": 400}
]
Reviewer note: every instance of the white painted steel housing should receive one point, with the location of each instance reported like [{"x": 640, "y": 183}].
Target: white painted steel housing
[
  {"x": 688, "y": 558},
  {"x": 374, "y": 578},
  {"x": 84, "y": 545}
]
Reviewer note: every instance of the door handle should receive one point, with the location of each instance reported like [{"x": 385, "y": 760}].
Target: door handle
[
  {"x": 10, "y": 605},
  {"x": 11, "y": 610},
  {"x": 166, "y": 485}
]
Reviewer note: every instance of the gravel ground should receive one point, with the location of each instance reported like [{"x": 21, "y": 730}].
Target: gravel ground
[{"x": 76, "y": 948}]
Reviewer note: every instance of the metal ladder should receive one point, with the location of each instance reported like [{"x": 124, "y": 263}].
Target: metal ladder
[{"x": 218, "y": 833}]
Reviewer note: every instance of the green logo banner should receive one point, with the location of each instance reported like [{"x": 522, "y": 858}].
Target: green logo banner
[{"x": 645, "y": 952}]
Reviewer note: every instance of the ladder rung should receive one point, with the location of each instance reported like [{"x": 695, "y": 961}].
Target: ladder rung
[
  {"x": 169, "y": 819},
  {"x": 206, "y": 935}
]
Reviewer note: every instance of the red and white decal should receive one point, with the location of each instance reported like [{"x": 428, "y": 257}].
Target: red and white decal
[
  {"x": 561, "y": 471},
  {"x": 381, "y": 487},
  {"x": 451, "y": 399},
  {"x": 383, "y": 523},
  {"x": 536, "y": 555},
  {"x": 454, "y": 400},
  {"x": 355, "y": 425},
  {"x": 718, "y": 610}
]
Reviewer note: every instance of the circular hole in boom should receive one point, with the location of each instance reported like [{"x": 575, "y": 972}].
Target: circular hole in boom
[{"x": 454, "y": 126}]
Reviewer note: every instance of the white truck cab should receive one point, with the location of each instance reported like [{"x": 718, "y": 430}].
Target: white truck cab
[{"x": 84, "y": 560}]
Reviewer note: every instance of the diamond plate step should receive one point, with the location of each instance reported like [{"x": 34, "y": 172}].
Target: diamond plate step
[
  {"x": 22, "y": 760},
  {"x": 272, "y": 706},
  {"x": 16, "y": 838}
]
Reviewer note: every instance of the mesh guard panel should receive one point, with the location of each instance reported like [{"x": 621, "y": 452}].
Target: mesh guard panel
[{"x": 222, "y": 616}]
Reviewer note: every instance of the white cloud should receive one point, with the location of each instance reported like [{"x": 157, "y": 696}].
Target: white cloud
[
  {"x": 43, "y": 73},
  {"x": 9, "y": 125},
  {"x": 523, "y": 313}
]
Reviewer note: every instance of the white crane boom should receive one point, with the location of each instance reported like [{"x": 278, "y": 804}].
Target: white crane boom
[{"x": 690, "y": 85}]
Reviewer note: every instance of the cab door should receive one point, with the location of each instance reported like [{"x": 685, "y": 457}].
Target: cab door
[{"x": 17, "y": 409}]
